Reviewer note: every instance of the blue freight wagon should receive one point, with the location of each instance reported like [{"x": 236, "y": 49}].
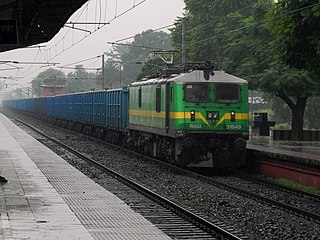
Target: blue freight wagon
[
  {"x": 102, "y": 113},
  {"x": 78, "y": 107},
  {"x": 88, "y": 108},
  {"x": 51, "y": 107},
  {"x": 40, "y": 105},
  {"x": 117, "y": 108},
  {"x": 22, "y": 104},
  {"x": 69, "y": 109},
  {"x": 19, "y": 104},
  {"x": 99, "y": 108},
  {"x": 31, "y": 105},
  {"x": 61, "y": 107}
]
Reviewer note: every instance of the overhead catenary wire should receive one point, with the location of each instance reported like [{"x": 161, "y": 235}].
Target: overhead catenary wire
[
  {"x": 49, "y": 49},
  {"x": 221, "y": 18},
  {"x": 108, "y": 22},
  {"x": 105, "y": 11},
  {"x": 92, "y": 63},
  {"x": 74, "y": 43},
  {"x": 136, "y": 46},
  {"x": 84, "y": 60},
  {"x": 76, "y": 18},
  {"x": 222, "y": 34},
  {"x": 145, "y": 33},
  {"x": 259, "y": 24},
  {"x": 171, "y": 25},
  {"x": 73, "y": 68},
  {"x": 209, "y": 38}
]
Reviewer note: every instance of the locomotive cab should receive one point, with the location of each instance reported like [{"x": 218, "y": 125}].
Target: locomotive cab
[
  {"x": 193, "y": 119},
  {"x": 215, "y": 124}
]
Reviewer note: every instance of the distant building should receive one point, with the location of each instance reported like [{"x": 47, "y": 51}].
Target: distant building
[{"x": 52, "y": 87}]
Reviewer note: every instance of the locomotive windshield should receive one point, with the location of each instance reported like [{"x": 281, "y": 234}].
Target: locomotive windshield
[
  {"x": 197, "y": 93},
  {"x": 227, "y": 93}
]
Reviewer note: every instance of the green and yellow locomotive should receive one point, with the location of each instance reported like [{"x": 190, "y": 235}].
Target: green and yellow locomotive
[{"x": 198, "y": 118}]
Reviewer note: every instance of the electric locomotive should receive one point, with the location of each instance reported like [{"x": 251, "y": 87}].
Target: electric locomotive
[{"x": 198, "y": 118}]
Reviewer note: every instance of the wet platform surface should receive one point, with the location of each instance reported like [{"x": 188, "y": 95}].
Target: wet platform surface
[
  {"x": 46, "y": 198},
  {"x": 303, "y": 150}
]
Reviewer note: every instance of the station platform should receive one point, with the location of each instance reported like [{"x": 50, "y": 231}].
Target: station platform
[
  {"x": 307, "y": 152},
  {"x": 297, "y": 161},
  {"x": 47, "y": 198}
]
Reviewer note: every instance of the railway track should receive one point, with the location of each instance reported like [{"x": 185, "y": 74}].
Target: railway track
[
  {"x": 292, "y": 214},
  {"x": 258, "y": 197},
  {"x": 299, "y": 211},
  {"x": 176, "y": 221},
  {"x": 263, "y": 182}
]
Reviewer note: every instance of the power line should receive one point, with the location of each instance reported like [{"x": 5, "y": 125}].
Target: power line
[
  {"x": 73, "y": 68},
  {"x": 259, "y": 23},
  {"x": 219, "y": 19},
  {"x": 7, "y": 69},
  {"x": 107, "y": 23},
  {"x": 209, "y": 38},
  {"x": 194, "y": 42},
  {"x": 75, "y": 43},
  {"x": 135, "y": 46},
  {"x": 93, "y": 63},
  {"x": 128, "y": 10},
  {"x": 76, "y": 18},
  {"x": 171, "y": 25},
  {"x": 80, "y": 61},
  {"x": 145, "y": 33}
]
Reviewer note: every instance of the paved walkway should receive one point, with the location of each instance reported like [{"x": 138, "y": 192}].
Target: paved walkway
[{"x": 46, "y": 198}]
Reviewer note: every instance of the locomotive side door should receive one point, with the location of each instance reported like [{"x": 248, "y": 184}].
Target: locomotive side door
[{"x": 167, "y": 106}]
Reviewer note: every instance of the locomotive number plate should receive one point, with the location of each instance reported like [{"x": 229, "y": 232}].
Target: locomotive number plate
[
  {"x": 232, "y": 127},
  {"x": 196, "y": 126}
]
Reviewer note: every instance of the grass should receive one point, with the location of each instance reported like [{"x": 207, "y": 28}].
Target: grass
[{"x": 294, "y": 185}]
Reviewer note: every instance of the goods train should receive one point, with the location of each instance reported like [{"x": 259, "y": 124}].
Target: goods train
[{"x": 195, "y": 118}]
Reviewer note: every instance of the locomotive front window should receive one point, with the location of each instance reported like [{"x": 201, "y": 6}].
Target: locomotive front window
[
  {"x": 227, "y": 93},
  {"x": 197, "y": 93}
]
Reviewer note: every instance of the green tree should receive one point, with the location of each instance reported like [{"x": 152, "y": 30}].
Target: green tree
[
  {"x": 113, "y": 74},
  {"x": 152, "y": 68},
  {"x": 124, "y": 62},
  {"x": 207, "y": 23},
  {"x": 312, "y": 113},
  {"x": 294, "y": 75},
  {"x": 81, "y": 80},
  {"x": 48, "y": 74}
]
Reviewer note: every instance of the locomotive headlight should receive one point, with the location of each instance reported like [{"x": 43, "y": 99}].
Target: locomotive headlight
[
  {"x": 213, "y": 115},
  {"x": 233, "y": 116},
  {"x": 192, "y": 115}
]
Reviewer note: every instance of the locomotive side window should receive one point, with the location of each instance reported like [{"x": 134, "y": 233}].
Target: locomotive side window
[
  {"x": 140, "y": 97},
  {"x": 158, "y": 99},
  {"x": 227, "y": 93},
  {"x": 197, "y": 93}
]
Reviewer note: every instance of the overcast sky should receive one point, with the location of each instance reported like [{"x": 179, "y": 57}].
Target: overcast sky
[{"x": 126, "y": 17}]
